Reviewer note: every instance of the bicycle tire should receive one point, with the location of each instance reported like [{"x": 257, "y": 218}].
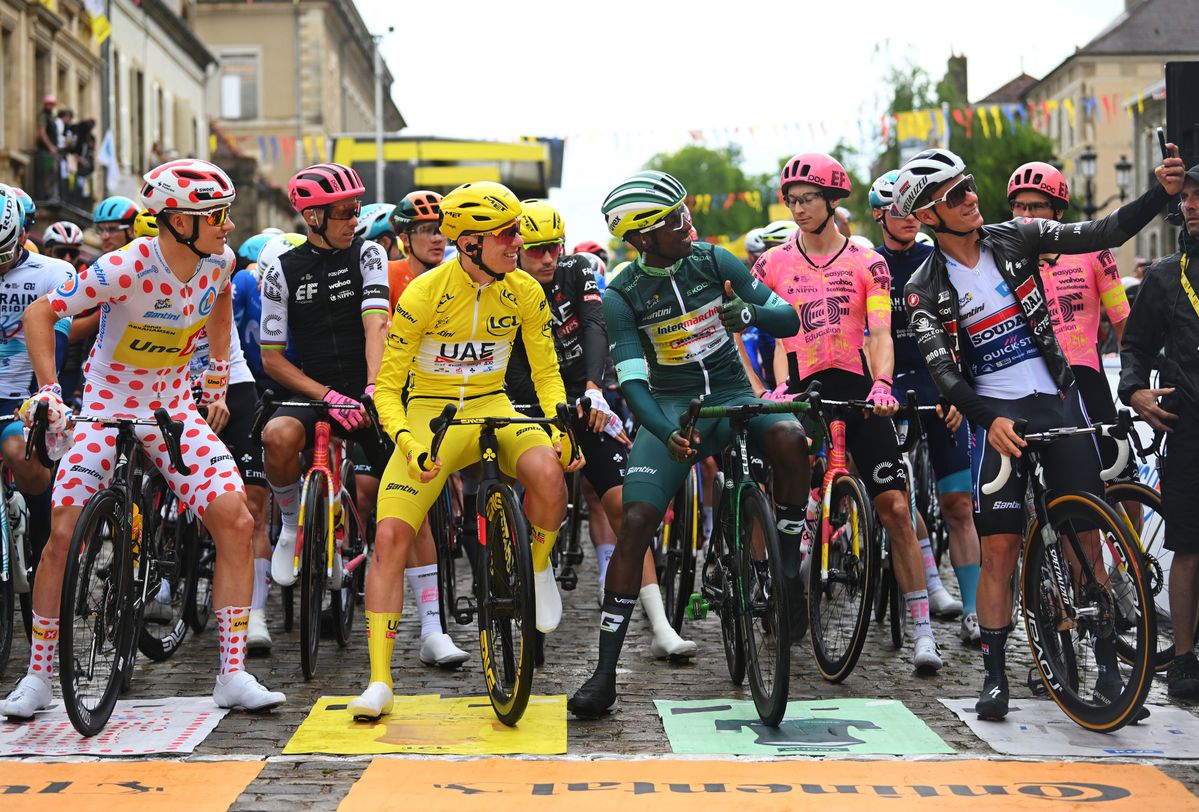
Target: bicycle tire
[
  {"x": 441, "y": 524},
  {"x": 1150, "y": 538},
  {"x": 315, "y": 527},
  {"x": 161, "y": 547},
  {"x": 200, "y": 555},
  {"x": 1061, "y": 654},
  {"x": 882, "y": 595},
  {"x": 728, "y": 601},
  {"x": 839, "y": 610},
  {"x": 677, "y": 578},
  {"x": 507, "y": 609},
  {"x": 98, "y": 565},
  {"x": 7, "y": 608},
  {"x": 344, "y": 597},
  {"x": 765, "y": 616}
]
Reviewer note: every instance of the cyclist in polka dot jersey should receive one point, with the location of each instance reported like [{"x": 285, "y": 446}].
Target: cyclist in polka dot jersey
[{"x": 155, "y": 296}]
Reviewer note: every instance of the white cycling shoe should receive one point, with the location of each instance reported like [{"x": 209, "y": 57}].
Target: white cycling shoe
[
  {"x": 31, "y": 695},
  {"x": 942, "y": 604},
  {"x": 439, "y": 649},
  {"x": 926, "y": 656},
  {"x": 241, "y": 689},
  {"x": 283, "y": 559},
  {"x": 971, "y": 633},
  {"x": 374, "y": 702},
  {"x": 549, "y": 602},
  {"x": 668, "y": 643},
  {"x": 258, "y": 637}
]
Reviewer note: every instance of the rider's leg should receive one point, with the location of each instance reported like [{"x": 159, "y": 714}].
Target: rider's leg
[
  {"x": 436, "y": 646},
  {"x": 283, "y": 439},
  {"x": 30, "y": 475},
  {"x": 957, "y": 508},
  {"x": 707, "y": 472},
  {"x": 786, "y": 449},
  {"x": 601, "y": 527},
  {"x": 259, "y": 639}
]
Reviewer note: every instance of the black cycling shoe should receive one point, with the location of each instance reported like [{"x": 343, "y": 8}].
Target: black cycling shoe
[
  {"x": 1108, "y": 688},
  {"x": 596, "y": 698},
  {"x": 1183, "y": 677},
  {"x": 797, "y": 605},
  {"x": 992, "y": 705}
]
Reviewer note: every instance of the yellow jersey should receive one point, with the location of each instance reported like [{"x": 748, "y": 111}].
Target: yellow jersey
[{"x": 455, "y": 338}]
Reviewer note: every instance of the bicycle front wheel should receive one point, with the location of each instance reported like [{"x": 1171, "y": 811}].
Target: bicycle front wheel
[
  {"x": 344, "y": 592},
  {"x": 96, "y": 609},
  {"x": 1106, "y": 606},
  {"x": 764, "y": 614},
  {"x": 314, "y": 530},
  {"x": 441, "y": 523},
  {"x": 7, "y": 608},
  {"x": 507, "y": 608},
  {"x": 682, "y": 541},
  {"x": 841, "y": 587}
]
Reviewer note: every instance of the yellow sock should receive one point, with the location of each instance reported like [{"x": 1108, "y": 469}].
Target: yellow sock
[
  {"x": 380, "y": 640},
  {"x": 542, "y": 542}
]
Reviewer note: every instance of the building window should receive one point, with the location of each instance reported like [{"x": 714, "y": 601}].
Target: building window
[{"x": 239, "y": 85}]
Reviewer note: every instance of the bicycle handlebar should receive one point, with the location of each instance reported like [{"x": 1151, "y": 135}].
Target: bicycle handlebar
[
  {"x": 1118, "y": 431},
  {"x": 440, "y": 425},
  {"x": 267, "y": 406},
  {"x": 696, "y": 411}
]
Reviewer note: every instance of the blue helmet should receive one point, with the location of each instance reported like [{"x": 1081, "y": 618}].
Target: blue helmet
[
  {"x": 882, "y": 191},
  {"x": 251, "y": 248},
  {"x": 115, "y": 209},
  {"x": 374, "y": 221},
  {"x": 27, "y": 205}
]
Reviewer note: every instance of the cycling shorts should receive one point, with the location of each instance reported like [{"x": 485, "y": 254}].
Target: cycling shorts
[
  {"x": 1180, "y": 487},
  {"x": 607, "y": 458},
  {"x": 1101, "y": 408},
  {"x": 403, "y": 497},
  {"x": 13, "y": 428},
  {"x": 871, "y": 441},
  {"x": 949, "y": 452},
  {"x": 242, "y": 400},
  {"x": 377, "y": 451},
  {"x": 654, "y": 478},
  {"x": 87, "y": 467},
  {"x": 1071, "y": 464}
]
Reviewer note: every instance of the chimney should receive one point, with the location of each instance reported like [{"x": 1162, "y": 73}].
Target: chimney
[{"x": 955, "y": 75}]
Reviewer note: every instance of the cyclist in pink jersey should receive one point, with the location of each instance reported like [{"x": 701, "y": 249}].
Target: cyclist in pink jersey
[
  {"x": 155, "y": 296},
  {"x": 840, "y": 289},
  {"x": 1077, "y": 287}
]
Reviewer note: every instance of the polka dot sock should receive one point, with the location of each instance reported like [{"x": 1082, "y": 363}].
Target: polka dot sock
[
  {"x": 44, "y": 646},
  {"x": 232, "y": 624}
]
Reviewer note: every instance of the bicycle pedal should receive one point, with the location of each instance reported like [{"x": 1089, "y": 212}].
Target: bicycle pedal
[
  {"x": 697, "y": 607},
  {"x": 568, "y": 581}
]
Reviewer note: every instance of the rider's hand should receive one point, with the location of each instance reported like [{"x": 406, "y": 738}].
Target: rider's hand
[
  {"x": 1171, "y": 172},
  {"x": 58, "y": 416},
  {"x": 218, "y": 415},
  {"x": 369, "y": 392},
  {"x": 680, "y": 448},
  {"x": 1144, "y": 401},
  {"x": 736, "y": 314},
  {"x": 952, "y": 418},
  {"x": 779, "y": 394},
  {"x": 880, "y": 395},
  {"x": 350, "y": 419},
  {"x": 600, "y": 412},
  {"x": 215, "y": 385},
  {"x": 562, "y": 448},
  {"x": 1003, "y": 437},
  {"x": 417, "y": 455}
]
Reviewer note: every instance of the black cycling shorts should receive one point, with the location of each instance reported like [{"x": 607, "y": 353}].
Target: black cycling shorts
[
  {"x": 607, "y": 458},
  {"x": 1101, "y": 408},
  {"x": 377, "y": 452},
  {"x": 950, "y": 453},
  {"x": 1071, "y": 464},
  {"x": 871, "y": 441},
  {"x": 1180, "y": 487},
  {"x": 242, "y": 400}
]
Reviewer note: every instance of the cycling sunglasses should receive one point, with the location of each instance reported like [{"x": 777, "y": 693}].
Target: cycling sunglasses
[
  {"x": 955, "y": 195},
  {"x": 216, "y": 217},
  {"x": 678, "y": 219},
  {"x": 65, "y": 253},
  {"x": 505, "y": 235},
  {"x": 550, "y": 249},
  {"x": 345, "y": 211}
]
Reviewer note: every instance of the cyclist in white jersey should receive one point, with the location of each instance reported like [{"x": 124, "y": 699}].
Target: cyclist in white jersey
[{"x": 155, "y": 296}]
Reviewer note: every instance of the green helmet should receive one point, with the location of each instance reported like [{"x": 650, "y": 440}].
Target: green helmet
[{"x": 642, "y": 201}]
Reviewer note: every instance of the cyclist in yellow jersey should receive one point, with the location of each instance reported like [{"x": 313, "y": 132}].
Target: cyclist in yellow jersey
[{"x": 452, "y": 331}]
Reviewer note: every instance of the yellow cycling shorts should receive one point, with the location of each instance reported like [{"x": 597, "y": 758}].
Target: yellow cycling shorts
[{"x": 408, "y": 499}]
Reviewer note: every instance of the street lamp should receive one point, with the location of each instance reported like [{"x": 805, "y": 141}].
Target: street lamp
[
  {"x": 1087, "y": 161},
  {"x": 378, "y": 41}
]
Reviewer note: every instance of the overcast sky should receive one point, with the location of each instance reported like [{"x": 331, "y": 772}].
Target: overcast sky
[{"x": 625, "y": 79}]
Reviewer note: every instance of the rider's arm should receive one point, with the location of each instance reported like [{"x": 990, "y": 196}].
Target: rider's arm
[
  {"x": 373, "y": 263},
  {"x": 880, "y": 349},
  {"x": 84, "y": 327},
  {"x": 1144, "y": 334},
  {"x": 537, "y": 333},
  {"x": 631, "y": 368},
  {"x": 591, "y": 320},
  {"x": 774, "y": 314},
  {"x": 403, "y": 340},
  {"x": 755, "y": 381},
  {"x": 1111, "y": 291},
  {"x": 1050, "y": 237},
  {"x": 102, "y": 283},
  {"x": 40, "y": 343}
]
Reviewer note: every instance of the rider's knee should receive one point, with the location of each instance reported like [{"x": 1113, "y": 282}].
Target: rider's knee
[
  {"x": 392, "y": 541},
  {"x": 639, "y": 522},
  {"x": 283, "y": 435},
  {"x": 958, "y": 508}
]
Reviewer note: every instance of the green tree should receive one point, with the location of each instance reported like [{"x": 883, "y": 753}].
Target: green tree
[{"x": 717, "y": 172}]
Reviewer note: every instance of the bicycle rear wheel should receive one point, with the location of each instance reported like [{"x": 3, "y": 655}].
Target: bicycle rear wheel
[
  {"x": 315, "y": 527},
  {"x": 97, "y": 614},
  {"x": 764, "y": 614},
  {"x": 200, "y": 555},
  {"x": 164, "y": 616},
  {"x": 507, "y": 608},
  {"x": 344, "y": 593},
  {"x": 441, "y": 523},
  {"x": 839, "y": 602},
  {"x": 726, "y": 578},
  {"x": 682, "y": 541},
  {"x": 1076, "y": 656}
]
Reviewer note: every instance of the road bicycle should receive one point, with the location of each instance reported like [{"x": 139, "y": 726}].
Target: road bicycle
[
  {"x": 16, "y": 558},
  {"x": 676, "y": 547}
]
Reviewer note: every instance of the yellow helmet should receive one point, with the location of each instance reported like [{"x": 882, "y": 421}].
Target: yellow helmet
[
  {"x": 540, "y": 223},
  {"x": 145, "y": 224},
  {"x": 473, "y": 207}
]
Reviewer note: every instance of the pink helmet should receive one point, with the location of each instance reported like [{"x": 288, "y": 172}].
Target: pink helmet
[
  {"x": 187, "y": 185},
  {"x": 820, "y": 170},
  {"x": 322, "y": 184},
  {"x": 1040, "y": 177}
]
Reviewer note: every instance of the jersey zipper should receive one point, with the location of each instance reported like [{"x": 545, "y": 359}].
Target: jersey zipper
[
  {"x": 682, "y": 312},
  {"x": 474, "y": 327}
]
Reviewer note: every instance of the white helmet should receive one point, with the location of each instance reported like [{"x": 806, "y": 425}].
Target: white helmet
[
  {"x": 277, "y": 246},
  {"x": 64, "y": 232},
  {"x": 925, "y": 170},
  {"x": 924, "y": 239},
  {"x": 187, "y": 185},
  {"x": 271, "y": 231},
  {"x": 777, "y": 232},
  {"x": 862, "y": 241},
  {"x": 12, "y": 223},
  {"x": 753, "y": 241}
]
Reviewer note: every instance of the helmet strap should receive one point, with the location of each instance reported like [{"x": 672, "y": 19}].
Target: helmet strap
[
  {"x": 824, "y": 223},
  {"x": 882, "y": 222},
  {"x": 474, "y": 251},
  {"x": 190, "y": 242},
  {"x": 941, "y": 228}
]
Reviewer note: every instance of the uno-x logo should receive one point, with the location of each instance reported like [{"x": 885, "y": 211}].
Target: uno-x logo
[{"x": 306, "y": 293}]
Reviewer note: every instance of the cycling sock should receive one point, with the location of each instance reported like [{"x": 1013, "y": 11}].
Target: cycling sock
[
  {"x": 993, "y": 641},
  {"x": 968, "y": 584},
  {"x": 790, "y": 525},
  {"x": 422, "y": 583},
  {"x": 543, "y": 544},
  {"x": 614, "y": 623},
  {"x": 232, "y": 624},
  {"x": 931, "y": 576},
  {"x": 44, "y": 646},
  {"x": 262, "y": 582},
  {"x": 651, "y": 603},
  {"x": 603, "y": 556},
  {"x": 707, "y": 522},
  {"x": 1105, "y": 654},
  {"x": 380, "y": 640},
  {"x": 287, "y": 497},
  {"x": 917, "y": 601}
]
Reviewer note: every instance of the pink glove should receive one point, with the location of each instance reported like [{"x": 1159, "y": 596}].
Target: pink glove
[
  {"x": 779, "y": 393},
  {"x": 350, "y": 419},
  {"x": 880, "y": 393},
  {"x": 370, "y": 391}
]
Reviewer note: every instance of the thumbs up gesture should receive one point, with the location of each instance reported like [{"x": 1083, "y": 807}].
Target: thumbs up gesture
[{"x": 736, "y": 314}]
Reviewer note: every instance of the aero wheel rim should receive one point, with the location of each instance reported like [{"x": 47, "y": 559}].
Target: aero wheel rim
[
  {"x": 503, "y": 632},
  {"x": 842, "y": 593},
  {"x": 96, "y": 622}
]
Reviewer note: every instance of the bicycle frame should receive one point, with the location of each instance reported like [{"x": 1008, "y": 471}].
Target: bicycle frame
[
  {"x": 328, "y": 454},
  {"x": 836, "y": 466}
]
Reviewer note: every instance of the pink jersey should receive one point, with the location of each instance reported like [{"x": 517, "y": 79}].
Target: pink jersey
[
  {"x": 836, "y": 304},
  {"x": 1076, "y": 286}
]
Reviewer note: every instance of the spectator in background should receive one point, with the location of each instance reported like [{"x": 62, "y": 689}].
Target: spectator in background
[
  {"x": 46, "y": 165},
  {"x": 1141, "y": 266},
  {"x": 62, "y": 124}
]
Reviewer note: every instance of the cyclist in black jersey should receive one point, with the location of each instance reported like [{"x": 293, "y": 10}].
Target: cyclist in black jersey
[
  {"x": 582, "y": 344},
  {"x": 979, "y": 313}
]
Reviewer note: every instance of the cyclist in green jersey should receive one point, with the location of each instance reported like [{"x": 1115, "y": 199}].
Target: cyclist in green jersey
[{"x": 669, "y": 317}]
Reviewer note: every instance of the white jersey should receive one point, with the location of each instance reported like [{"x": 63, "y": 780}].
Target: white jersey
[
  {"x": 239, "y": 370},
  {"x": 32, "y": 277},
  {"x": 150, "y": 323}
]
